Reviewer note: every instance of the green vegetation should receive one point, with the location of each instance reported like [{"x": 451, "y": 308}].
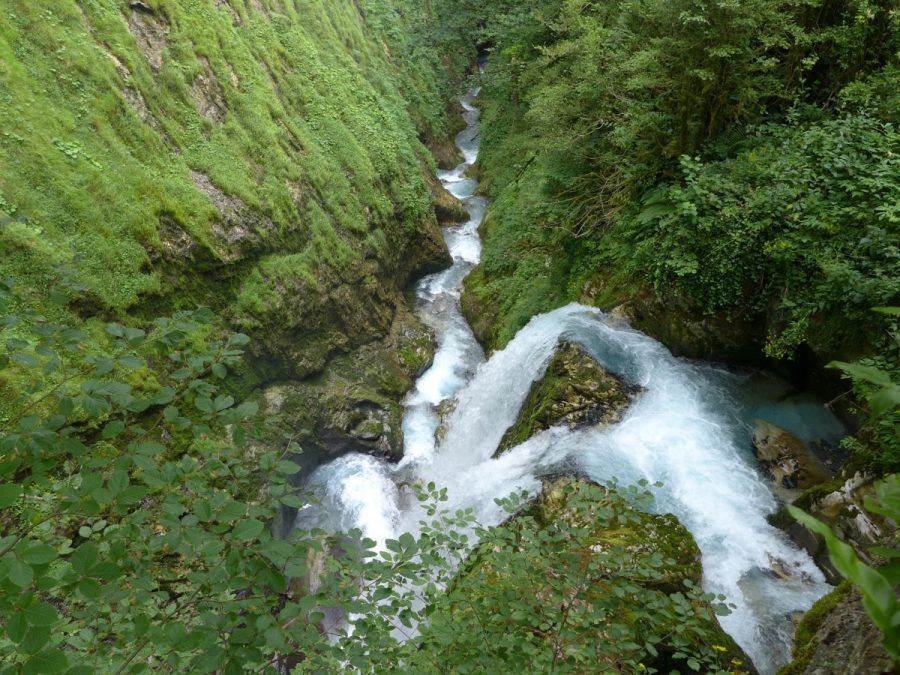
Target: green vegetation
[
  {"x": 876, "y": 585},
  {"x": 812, "y": 620},
  {"x": 137, "y": 501},
  {"x": 732, "y": 165},
  {"x": 875, "y": 382},
  {"x": 224, "y": 153},
  {"x": 580, "y": 563},
  {"x": 270, "y": 159},
  {"x": 741, "y": 156}
]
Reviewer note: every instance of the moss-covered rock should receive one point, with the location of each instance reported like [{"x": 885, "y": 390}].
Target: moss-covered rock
[
  {"x": 353, "y": 405},
  {"x": 584, "y": 552},
  {"x": 447, "y": 208},
  {"x": 575, "y": 391},
  {"x": 837, "y": 636}
]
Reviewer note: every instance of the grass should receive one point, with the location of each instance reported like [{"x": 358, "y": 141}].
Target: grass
[
  {"x": 310, "y": 100},
  {"x": 305, "y": 116}
]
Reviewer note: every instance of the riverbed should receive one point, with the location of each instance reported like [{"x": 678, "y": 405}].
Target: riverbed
[{"x": 689, "y": 430}]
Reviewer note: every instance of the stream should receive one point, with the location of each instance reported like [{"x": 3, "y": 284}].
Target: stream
[{"x": 689, "y": 429}]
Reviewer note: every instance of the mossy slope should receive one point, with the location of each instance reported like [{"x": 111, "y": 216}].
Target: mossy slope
[{"x": 259, "y": 156}]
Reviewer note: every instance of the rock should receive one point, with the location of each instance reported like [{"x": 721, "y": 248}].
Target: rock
[
  {"x": 787, "y": 459},
  {"x": 447, "y": 208},
  {"x": 838, "y": 503},
  {"x": 684, "y": 329},
  {"x": 577, "y": 528},
  {"x": 575, "y": 391},
  {"x": 150, "y": 31},
  {"x": 837, "y": 636},
  {"x": 353, "y": 405}
]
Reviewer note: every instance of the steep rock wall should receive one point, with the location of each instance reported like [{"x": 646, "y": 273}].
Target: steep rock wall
[{"x": 262, "y": 157}]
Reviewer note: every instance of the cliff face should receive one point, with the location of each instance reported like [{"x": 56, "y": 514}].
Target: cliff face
[{"x": 258, "y": 156}]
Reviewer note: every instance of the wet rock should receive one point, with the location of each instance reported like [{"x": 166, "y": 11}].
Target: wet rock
[
  {"x": 686, "y": 331},
  {"x": 837, "y": 637},
  {"x": 446, "y": 155},
  {"x": 575, "y": 391},
  {"x": 838, "y": 503},
  {"x": 353, "y": 405},
  {"x": 447, "y": 208},
  {"x": 786, "y": 459}
]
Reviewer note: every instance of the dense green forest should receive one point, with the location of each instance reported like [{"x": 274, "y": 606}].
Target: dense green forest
[
  {"x": 201, "y": 198},
  {"x": 733, "y": 165}
]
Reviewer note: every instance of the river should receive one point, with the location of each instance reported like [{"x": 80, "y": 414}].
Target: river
[{"x": 689, "y": 430}]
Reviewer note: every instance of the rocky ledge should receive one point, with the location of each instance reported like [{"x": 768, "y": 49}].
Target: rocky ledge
[
  {"x": 353, "y": 404},
  {"x": 617, "y": 579},
  {"x": 788, "y": 461},
  {"x": 575, "y": 391}
]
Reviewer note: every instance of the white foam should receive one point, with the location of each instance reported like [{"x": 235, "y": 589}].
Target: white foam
[{"x": 687, "y": 430}]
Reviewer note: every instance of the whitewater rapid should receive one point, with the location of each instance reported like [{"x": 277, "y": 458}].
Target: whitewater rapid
[{"x": 689, "y": 430}]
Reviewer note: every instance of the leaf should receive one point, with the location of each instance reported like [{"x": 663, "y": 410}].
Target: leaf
[
  {"x": 887, "y": 501},
  {"x": 292, "y": 501},
  {"x": 40, "y": 554},
  {"x": 131, "y": 362},
  {"x": 35, "y": 639},
  {"x": 134, "y": 337},
  {"x": 105, "y": 571},
  {"x": 219, "y": 371},
  {"x": 25, "y": 359},
  {"x": 223, "y": 402},
  {"x": 9, "y": 494},
  {"x": 866, "y": 373},
  {"x": 48, "y": 662},
  {"x": 204, "y": 404},
  {"x": 84, "y": 557},
  {"x": 247, "y": 529},
  {"x": 288, "y": 468},
  {"x": 113, "y": 429},
  {"x": 17, "y": 627},
  {"x": 164, "y": 396},
  {"x": 89, "y": 588},
  {"x": 20, "y": 573},
  {"x": 41, "y": 614}
]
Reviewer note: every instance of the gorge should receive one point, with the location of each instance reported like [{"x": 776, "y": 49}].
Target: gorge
[
  {"x": 689, "y": 430},
  {"x": 309, "y": 364}
]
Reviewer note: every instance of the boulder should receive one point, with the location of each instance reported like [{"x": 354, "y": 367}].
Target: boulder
[
  {"x": 584, "y": 552},
  {"x": 837, "y": 636},
  {"x": 786, "y": 459},
  {"x": 575, "y": 391},
  {"x": 840, "y": 504}
]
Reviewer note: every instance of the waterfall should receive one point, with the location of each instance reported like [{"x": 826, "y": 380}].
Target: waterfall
[{"x": 689, "y": 430}]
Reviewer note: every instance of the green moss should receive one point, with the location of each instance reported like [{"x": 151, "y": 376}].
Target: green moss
[
  {"x": 809, "y": 625},
  {"x": 575, "y": 391},
  {"x": 231, "y": 153}
]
